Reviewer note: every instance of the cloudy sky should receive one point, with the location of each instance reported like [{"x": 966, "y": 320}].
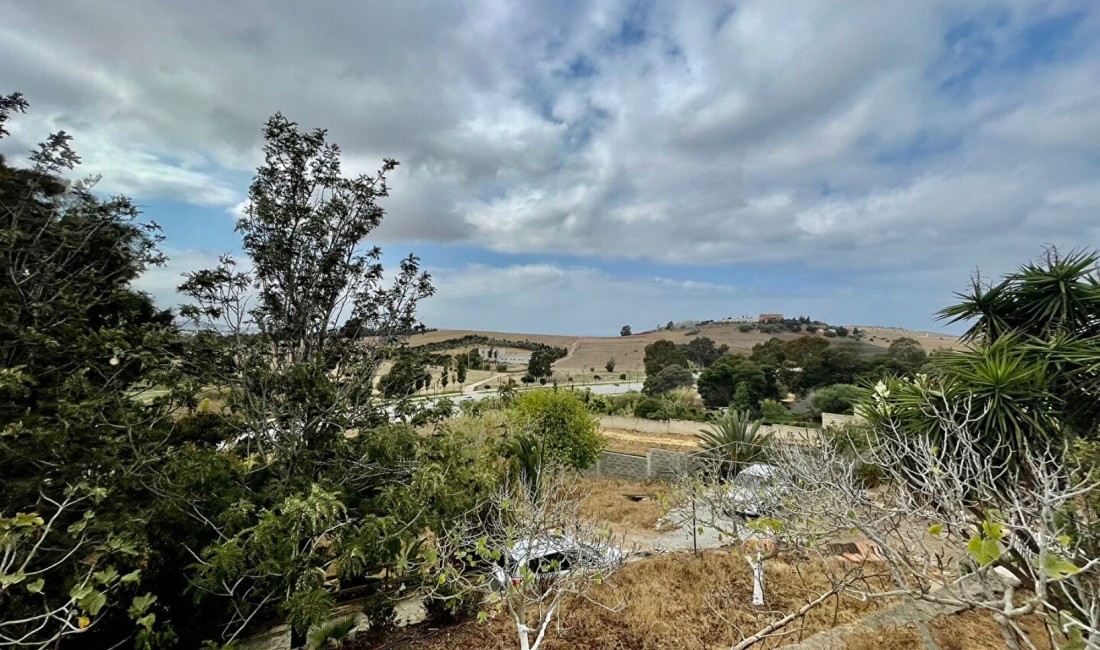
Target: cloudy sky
[{"x": 574, "y": 166}]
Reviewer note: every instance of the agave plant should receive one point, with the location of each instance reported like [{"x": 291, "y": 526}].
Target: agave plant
[{"x": 734, "y": 442}]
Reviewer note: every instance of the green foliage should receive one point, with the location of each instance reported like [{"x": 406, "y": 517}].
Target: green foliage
[
  {"x": 668, "y": 379},
  {"x": 838, "y": 398},
  {"x": 661, "y": 354},
  {"x": 559, "y": 420},
  {"x": 734, "y": 442},
  {"x": 407, "y": 376},
  {"x": 702, "y": 351},
  {"x": 333, "y": 633},
  {"x": 1036, "y": 330},
  {"x": 539, "y": 365},
  {"x": 625, "y": 331},
  {"x": 719, "y": 383},
  {"x": 610, "y": 365}
]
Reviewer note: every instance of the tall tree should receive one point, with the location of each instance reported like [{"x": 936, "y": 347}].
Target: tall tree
[
  {"x": 661, "y": 354},
  {"x": 307, "y": 325},
  {"x": 79, "y": 350}
]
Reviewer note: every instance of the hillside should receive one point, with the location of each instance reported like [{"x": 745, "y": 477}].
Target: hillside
[{"x": 586, "y": 352}]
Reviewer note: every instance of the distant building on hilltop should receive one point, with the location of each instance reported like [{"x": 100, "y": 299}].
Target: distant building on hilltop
[
  {"x": 504, "y": 356},
  {"x": 770, "y": 318}
]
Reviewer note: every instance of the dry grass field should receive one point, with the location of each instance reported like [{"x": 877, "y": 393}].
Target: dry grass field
[
  {"x": 587, "y": 352},
  {"x": 676, "y": 600}
]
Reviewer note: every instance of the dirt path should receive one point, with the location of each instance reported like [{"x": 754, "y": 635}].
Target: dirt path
[{"x": 679, "y": 442}]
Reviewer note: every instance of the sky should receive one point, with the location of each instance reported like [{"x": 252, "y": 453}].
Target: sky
[{"x": 571, "y": 166}]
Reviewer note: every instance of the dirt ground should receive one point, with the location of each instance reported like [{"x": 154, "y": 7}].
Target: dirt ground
[
  {"x": 638, "y": 443},
  {"x": 626, "y": 507}
]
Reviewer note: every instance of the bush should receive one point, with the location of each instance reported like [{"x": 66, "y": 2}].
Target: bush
[
  {"x": 838, "y": 398},
  {"x": 649, "y": 409},
  {"x": 448, "y": 605},
  {"x": 560, "y": 421},
  {"x": 502, "y": 367},
  {"x": 745, "y": 327},
  {"x": 622, "y": 377},
  {"x": 527, "y": 379}
]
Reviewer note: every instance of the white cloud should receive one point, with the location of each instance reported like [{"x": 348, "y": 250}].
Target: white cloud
[{"x": 842, "y": 136}]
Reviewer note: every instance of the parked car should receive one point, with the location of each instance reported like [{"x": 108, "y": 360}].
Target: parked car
[
  {"x": 754, "y": 492},
  {"x": 552, "y": 555}
]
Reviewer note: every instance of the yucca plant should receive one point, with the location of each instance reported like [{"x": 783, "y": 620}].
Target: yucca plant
[
  {"x": 1035, "y": 360},
  {"x": 733, "y": 442}
]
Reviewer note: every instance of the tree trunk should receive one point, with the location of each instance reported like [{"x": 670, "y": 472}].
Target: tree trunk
[{"x": 757, "y": 578}]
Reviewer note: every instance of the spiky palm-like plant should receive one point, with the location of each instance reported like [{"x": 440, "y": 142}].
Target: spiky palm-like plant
[
  {"x": 1036, "y": 348},
  {"x": 733, "y": 442},
  {"x": 333, "y": 633}
]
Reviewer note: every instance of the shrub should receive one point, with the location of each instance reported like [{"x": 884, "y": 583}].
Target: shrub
[
  {"x": 560, "y": 421},
  {"x": 745, "y": 327},
  {"x": 448, "y": 605},
  {"x": 623, "y": 376},
  {"x": 838, "y": 398},
  {"x": 502, "y": 367}
]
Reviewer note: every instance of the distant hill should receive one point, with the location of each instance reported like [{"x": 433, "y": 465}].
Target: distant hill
[{"x": 587, "y": 352}]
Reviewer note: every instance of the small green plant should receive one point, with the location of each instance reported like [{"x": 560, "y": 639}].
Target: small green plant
[{"x": 334, "y": 633}]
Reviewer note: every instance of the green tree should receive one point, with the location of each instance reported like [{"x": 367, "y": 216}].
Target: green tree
[
  {"x": 702, "y": 351},
  {"x": 670, "y": 378},
  {"x": 540, "y": 363},
  {"x": 663, "y": 353},
  {"x": 460, "y": 371},
  {"x": 1031, "y": 370},
  {"x": 559, "y": 421},
  {"x": 625, "y": 331},
  {"x": 610, "y": 365},
  {"x": 718, "y": 384},
  {"x": 408, "y": 375},
  {"x": 839, "y": 364},
  {"x": 298, "y": 382},
  {"x": 80, "y": 352}
]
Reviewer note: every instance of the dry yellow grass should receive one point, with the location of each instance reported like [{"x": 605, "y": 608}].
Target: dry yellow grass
[
  {"x": 970, "y": 630},
  {"x": 609, "y": 502},
  {"x": 675, "y": 601}
]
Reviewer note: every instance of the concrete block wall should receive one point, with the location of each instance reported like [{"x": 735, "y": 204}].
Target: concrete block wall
[
  {"x": 664, "y": 463},
  {"x": 624, "y": 466}
]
